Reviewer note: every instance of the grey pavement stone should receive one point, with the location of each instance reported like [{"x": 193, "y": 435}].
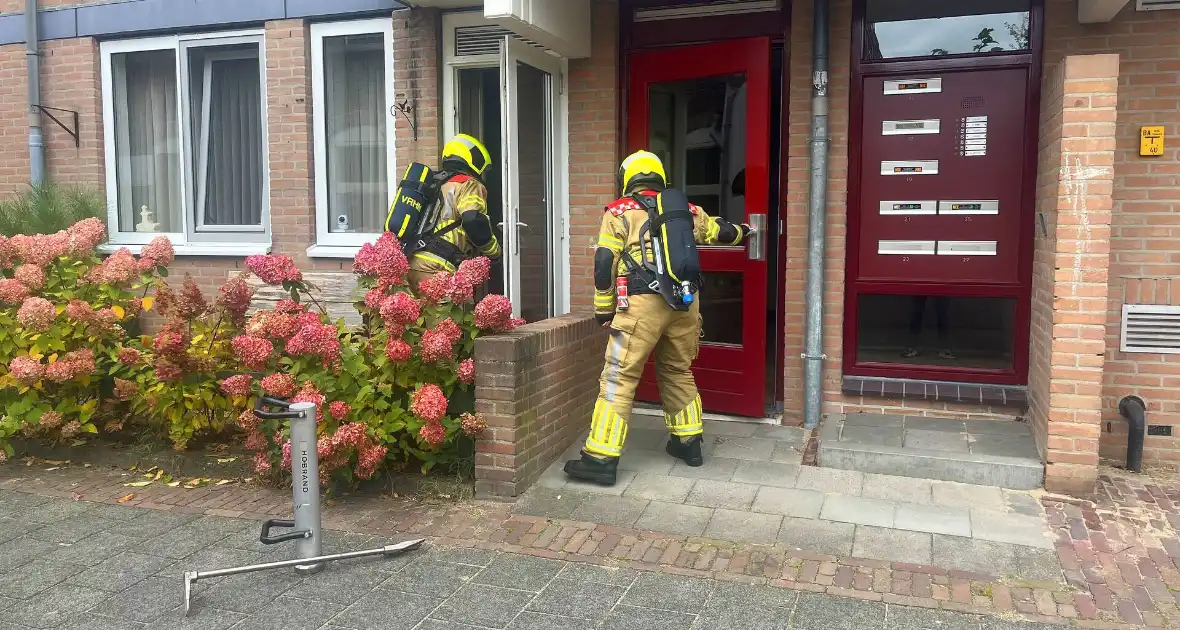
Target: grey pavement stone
[
  {"x": 541, "y": 501},
  {"x": 816, "y": 611},
  {"x": 435, "y": 624},
  {"x": 649, "y": 439},
  {"x": 1005, "y": 446},
  {"x": 145, "y": 602},
  {"x": 5, "y": 602},
  {"x": 780, "y": 433},
  {"x": 70, "y": 530},
  {"x": 632, "y": 618},
  {"x": 907, "y": 618},
  {"x": 54, "y": 607},
  {"x": 872, "y": 420},
  {"x": 789, "y": 502},
  {"x": 921, "y": 423},
  {"x": 251, "y": 593},
  {"x": 213, "y": 557},
  {"x": 829, "y": 480},
  {"x": 748, "y": 448},
  {"x": 1037, "y": 564},
  {"x": 669, "y": 592},
  {"x": 14, "y": 528},
  {"x": 459, "y": 555},
  {"x": 524, "y": 573},
  {"x": 994, "y": 623},
  {"x": 894, "y": 545},
  {"x": 979, "y": 556},
  {"x": 674, "y": 518},
  {"x": 14, "y": 502},
  {"x": 554, "y": 476},
  {"x": 90, "y": 621},
  {"x": 116, "y": 512},
  {"x": 607, "y": 510},
  {"x": 744, "y": 527},
  {"x": 858, "y": 510},
  {"x": 1023, "y": 503},
  {"x": 386, "y": 609},
  {"x": 753, "y": 617},
  {"x": 732, "y": 428},
  {"x": 622, "y": 481},
  {"x": 594, "y": 573},
  {"x": 645, "y": 461},
  {"x": 891, "y": 488},
  {"x": 722, "y": 494},
  {"x": 788, "y": 453},
  {"x": 153, "y": 523},
  {"x": 343, "y": 582},
  {"x": 481, "y": 605},
  {"x": 435, "y": 579},
  {"x": 936, "y": 441},
  {"x": 818, "y": 536},
  {"x": 214, "y": 528},
  {"x": 20, "y": 551},
  {"x": 93, "y": 549},
  {"x": 121, "y": 571},
  {"x": 717, "y": 468},
  {"x": 767, "y": 474},
  {"x": 966, "y": 495},
  {"x": 55, "y": 510},
  {"x": 879, "y": 436},
  {"x": 1016, "y": 529},
  {"x": 568, "y": 598},
  {"x": 538, "y": 621},
  {"x": 998, "y": 427},
  {"x": 172, "y": 546},
  {"x": 34, "y": 577},
  {"x": 933, "y": 519},
  {"x": 291, "y": 614},
  {"x": 736, "y": 595}
]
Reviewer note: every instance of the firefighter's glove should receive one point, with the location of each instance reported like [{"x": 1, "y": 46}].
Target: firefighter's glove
[
  {"x": 746, "y": 231},
  {"x": 604, "y": 319}
]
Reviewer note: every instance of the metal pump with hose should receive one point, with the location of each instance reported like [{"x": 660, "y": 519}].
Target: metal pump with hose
[{"x": 306, "y": 529}]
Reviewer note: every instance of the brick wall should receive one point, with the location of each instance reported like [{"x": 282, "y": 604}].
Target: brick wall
[
  {"x": 18, "y": 6},
  {"x": 594, "y": 147},
  {"x": 536, "y": 387},
  {"x": 1145, "y": 230},
  {"x": 1075, "y": 181},
  {"x": 416, "y": 75}
]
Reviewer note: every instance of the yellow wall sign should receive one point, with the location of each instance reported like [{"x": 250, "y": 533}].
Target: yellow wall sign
[{"x": 1151, "y": 140}]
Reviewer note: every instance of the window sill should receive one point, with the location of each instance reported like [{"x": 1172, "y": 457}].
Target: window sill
[
  {"x": 333, "y": 251},
  {"x": 202, "y": 249}
]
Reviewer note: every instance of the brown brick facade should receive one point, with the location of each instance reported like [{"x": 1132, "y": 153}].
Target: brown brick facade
[{"x": 536, "y": 387}]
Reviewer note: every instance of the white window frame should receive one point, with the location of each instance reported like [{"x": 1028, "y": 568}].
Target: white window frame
[
  {"x": 329, "y": 244},
  {"x": 452, "y": 63},
  {"x": 195, "y": 239}
]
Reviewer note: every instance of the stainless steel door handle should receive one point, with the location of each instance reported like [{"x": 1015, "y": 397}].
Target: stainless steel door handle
[{"x": 756, "y": 245}]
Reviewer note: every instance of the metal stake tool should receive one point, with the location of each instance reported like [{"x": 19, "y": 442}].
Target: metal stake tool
[{"x": 305, "y": 496}]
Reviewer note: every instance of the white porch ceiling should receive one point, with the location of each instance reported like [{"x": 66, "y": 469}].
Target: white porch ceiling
[{"x": 1099, "y": 11}]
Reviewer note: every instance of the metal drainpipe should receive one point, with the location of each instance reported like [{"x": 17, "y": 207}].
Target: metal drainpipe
[
  {"x": 33, "y": 60},
  {"x": 813, "y": 357},
  {"x": 1134, "y": 411}
]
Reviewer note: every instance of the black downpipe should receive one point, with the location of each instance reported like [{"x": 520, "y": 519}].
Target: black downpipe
[{"x": 1134, "y": 410}]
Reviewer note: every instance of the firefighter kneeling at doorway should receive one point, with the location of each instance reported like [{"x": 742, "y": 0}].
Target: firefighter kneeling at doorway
[
  {"x": 442, "y": 218},
  {"x": 646, "y": 274}
]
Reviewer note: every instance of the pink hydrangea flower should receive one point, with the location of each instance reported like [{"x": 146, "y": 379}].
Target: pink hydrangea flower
[
  {"x": 158, "y": 253},
  {"x": 80, "y": 362},
  {"x": 351, "y": 434},
  {"x": 384, "y": 259},
  {"x": 374, "y": 297},
  {"x": 474, "y": 272},
  {"x": 235, "y": 297},
  {"x": 191, "y": 303},
  {"x": 128, "y": 356},
  {"x": 309, "y": 393},
  {"x": 167, "y": 371},
  {"x": 12, "y": 291},
  {"x": 240, "y": 385},
  {"x": 307, "y": 319},
  {"x": 493, "y": 313},
  {"x": 286, "y": 461},
  {"x": 473, "y": 425},
  {"x": 449, "y": 328},
  {"x": 515, "y": 322},
  {"x": 59, "y": 372},
  {"x": 436, "y": 288},
  {"x": 85, "y": 235},
  {"x": 36, "y": 314},
  {"x": 322, "y": 340},
  {"x": 118, "y": 267},
  {"x": 339, "y": 410},
  {"x": 369, "y": 459},
  {"x": 78, "y": 310},
  {"x": 133, "y": 307},
  {"x": 289, "y": 306},
  {"x": 6, "y": 252},
  {"x": 436, "y": 346},
  {"x": 26, "y": 370},
  {"x": 170, "y": 342},
  {"x": 278, "y": 385},
  {"x": 248, "y": 420},
  {"x": 401, "y": 308},
  {"x": 429, "y": 403},
  {"x": 41, "y": 249},
  {"x": 433, "y": 433},
  {"x": 274, "y": 268},
  {"x": 467, "y": 371},
  {"x": 71, "y": 428},
  {"x": 252, "y": 351},
  {"x": 256, "y": 441},
  {"x": 50, "y": 420},
  {"x": 125, "y": 390},
  {"x": 398, "y": 351},
  {"x": 31, "y": 276},
  {"x": 262, "y": 464}
]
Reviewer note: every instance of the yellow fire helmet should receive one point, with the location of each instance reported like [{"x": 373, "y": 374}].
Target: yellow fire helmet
[
  {"x": 642, "y": 166},
  {"x": 467, "y": 151}
]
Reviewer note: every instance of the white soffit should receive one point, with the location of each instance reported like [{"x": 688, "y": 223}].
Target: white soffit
[
  {"x": 1099, "y": 11},
  {"x": 562, "y": 26},
  {"x": 706, "y": 9}
]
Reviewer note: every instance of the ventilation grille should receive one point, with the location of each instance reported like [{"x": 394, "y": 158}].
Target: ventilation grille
[
  {"x": 1157, "y": 5},
  {"x": 972, "y": 102},
  {"x": 1154, "y": 329},
  {"x": 483, "y": 40}
]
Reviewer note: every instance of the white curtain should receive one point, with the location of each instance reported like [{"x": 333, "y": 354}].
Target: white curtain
[
  {"x": 354, "y": 78},
  {"x": 147, "y": 143},
  {"x": 228, "y": 164}
]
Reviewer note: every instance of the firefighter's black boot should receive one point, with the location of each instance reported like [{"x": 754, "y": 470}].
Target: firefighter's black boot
[
  {"x": 689, "y": 451},
  {"x": 593, "y": 470}
]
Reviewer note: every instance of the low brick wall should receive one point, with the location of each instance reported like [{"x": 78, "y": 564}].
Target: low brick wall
[{"x": 536, "y": 387}]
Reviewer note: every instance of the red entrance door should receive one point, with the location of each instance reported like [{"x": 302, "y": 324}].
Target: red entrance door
[{"x": 705, "y": 110}]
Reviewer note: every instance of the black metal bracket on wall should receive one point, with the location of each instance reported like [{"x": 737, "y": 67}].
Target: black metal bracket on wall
[
  {"x": 404, "y": 108},
  {"x": 74, "y": 133}
]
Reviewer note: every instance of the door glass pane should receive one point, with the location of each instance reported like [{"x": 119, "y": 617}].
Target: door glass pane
[
  {"x": 955, "y": 332},
  {"x": 533, "y": 230},
  {"x": 721, "y": 307},
  {"x": 920, "y": 28},
  {"x": 478, "y": 114},
  {"x": 698, "y": 128},
  {"x": 355, "y": 113}
]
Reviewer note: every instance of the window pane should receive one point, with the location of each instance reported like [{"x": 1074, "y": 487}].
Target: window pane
[
  {"x": 938, "y": 331},
  {"x": 226, "y": 106},
  {"x": 354, "y": 89},
  {"x": 721, "y": 307},
  {"x": 534, "y": 117},
  {"x": 923, "y": 28},
  {"x": 147, "y": 141}
]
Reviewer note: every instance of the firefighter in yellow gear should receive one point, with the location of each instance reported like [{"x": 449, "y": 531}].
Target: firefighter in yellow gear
[
  {"x": 462, "y": 201},
  {"x": 641, "y": 319}
]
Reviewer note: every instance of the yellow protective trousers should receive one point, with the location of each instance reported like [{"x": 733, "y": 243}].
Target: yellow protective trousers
[{"x": 648, "y": 324}]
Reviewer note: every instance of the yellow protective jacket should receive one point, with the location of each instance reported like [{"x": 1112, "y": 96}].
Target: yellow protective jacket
[
  {"x": 619, "y": 236},
  {"x": 464, "y": 199}
]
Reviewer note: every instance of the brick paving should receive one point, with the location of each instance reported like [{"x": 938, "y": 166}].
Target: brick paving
[{"x": 1122, "y": 563}]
